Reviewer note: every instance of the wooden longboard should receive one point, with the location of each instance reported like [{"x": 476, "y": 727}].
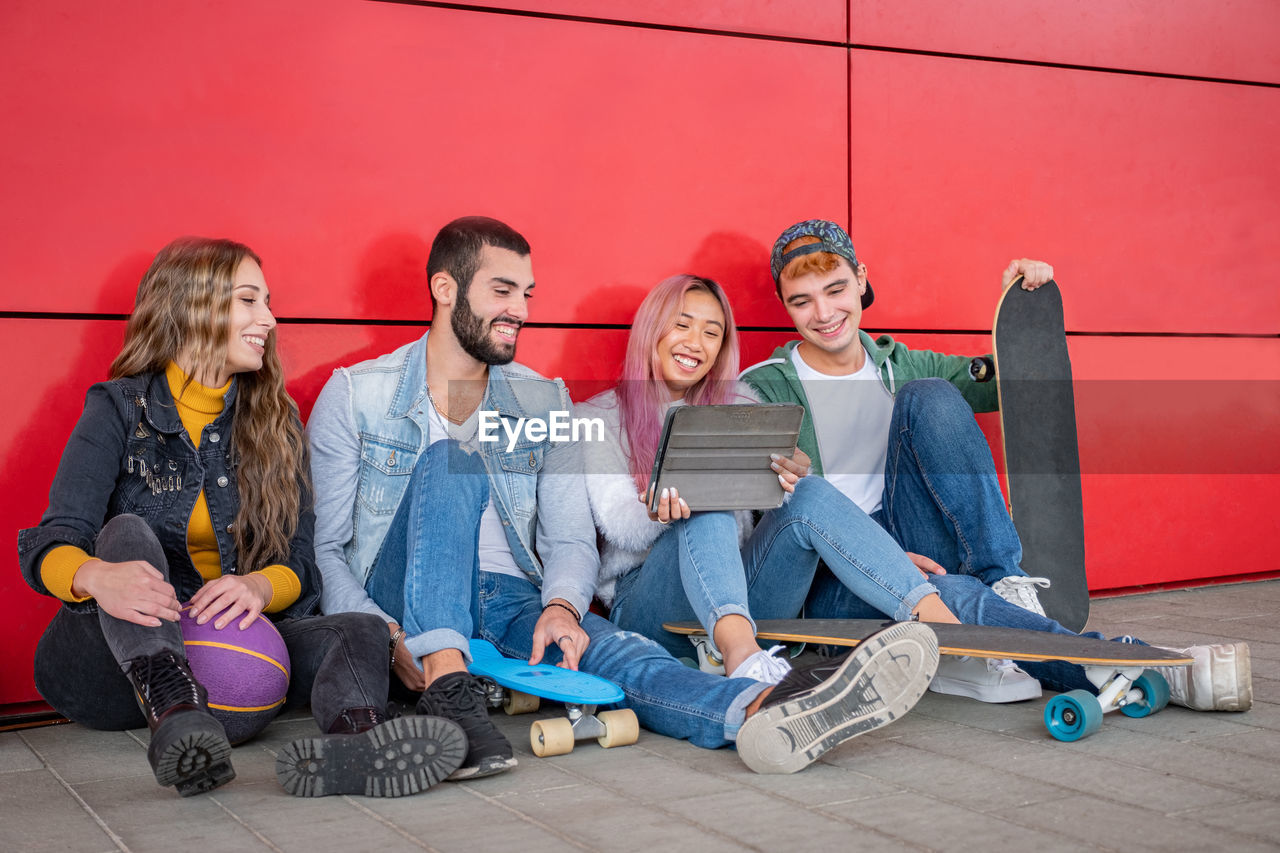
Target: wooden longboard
[
  {"x": 1121, "y": 671},
  {"x": 1041, "y": 447},
  {"x": 984, "y": 641}
]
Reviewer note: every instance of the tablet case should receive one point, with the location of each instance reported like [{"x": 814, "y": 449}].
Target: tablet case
[{"x": 717, "y": 457}]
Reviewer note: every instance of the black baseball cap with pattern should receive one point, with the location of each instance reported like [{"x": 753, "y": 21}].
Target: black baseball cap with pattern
[{"x": 831, "y": 238}]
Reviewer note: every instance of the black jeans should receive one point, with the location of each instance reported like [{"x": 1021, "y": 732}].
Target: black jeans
[{"x": 336, "y": 662}]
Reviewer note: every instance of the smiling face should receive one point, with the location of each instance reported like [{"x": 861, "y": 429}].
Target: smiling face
[
  {"x": 249, "y": 321},
  {"x": 487, "y": 315},
  {"x": 688, "y": 351},
  {"x": 826, "y": 308}
]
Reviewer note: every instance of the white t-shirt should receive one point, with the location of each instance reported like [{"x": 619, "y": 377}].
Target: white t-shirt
[
  {"x": 851, "y": 417},
  {"x": 493, "y": 547}
]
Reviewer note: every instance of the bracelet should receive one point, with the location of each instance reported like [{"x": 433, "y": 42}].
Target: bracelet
[
  {"x": 395, "y": 641},
  {"x": 576, "y": 617}
]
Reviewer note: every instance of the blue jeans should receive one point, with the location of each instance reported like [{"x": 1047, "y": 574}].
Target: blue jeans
[
  {"x": 695, "y": 570},
  {"x": 942, "y": 495},
  {"x": 444, "y": 598},
  {"x": 973, "y": 603}
]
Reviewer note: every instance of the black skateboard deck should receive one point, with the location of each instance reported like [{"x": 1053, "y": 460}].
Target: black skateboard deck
[{"x": 1041, "y": 447}]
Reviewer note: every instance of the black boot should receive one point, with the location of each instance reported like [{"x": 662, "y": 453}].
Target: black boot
[
  {"x": 189, "y": 748},
  {"x": 459, "y": 696},
  {"x": 365, "y": 753}
]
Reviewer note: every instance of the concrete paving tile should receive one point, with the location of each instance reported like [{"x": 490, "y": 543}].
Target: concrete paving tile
[
  {"x": 920, "y": 769},
  {"x": 1254, "y": 818},
  {"x": 38, "y": 813},
  {"x": 941, "y": 826},
  {"x": 83, "y": 755},
  {"x": 762, "y": 822},
  {"x": 1180, "y": 724},
  {"x": 148, "y": 817},
  {"x": 604, "y": 820},
  {"x": 468, "y": 823},
  {"x": 1102, "y": 775},
  {"x": 1198, "y": 761},
  {"x": 823, "y": 784},
  {"x": 1095, "y": 821},
  {"x": 1100, "y": 764},
  {"x": 15, "y": 755},
  {"x": 647, "y": 778}
]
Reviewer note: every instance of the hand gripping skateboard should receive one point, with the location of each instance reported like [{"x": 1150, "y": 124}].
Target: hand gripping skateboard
[
  {"x": 1120, "y": 671},
  {"x": 517, "y": 687},
  {"x": 1041, "y": 448}
]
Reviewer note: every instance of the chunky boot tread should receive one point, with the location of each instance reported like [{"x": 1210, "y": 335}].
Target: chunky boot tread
[{"x": 394, "y": 759}]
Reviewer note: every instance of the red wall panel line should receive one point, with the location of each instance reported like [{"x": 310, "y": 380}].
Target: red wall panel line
[
  {"x": 1233, "y": 39},
  {"x": 807, "y": 19},
  {"x": 1156, "y": 200}
]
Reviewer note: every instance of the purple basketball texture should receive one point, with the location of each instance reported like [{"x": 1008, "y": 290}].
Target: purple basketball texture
[{"x": 246, "y": 672}]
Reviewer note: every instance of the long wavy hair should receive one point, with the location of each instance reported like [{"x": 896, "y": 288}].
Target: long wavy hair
[
  {"x": 183, "y": 308},
  {"x": 642, "y": 395}
]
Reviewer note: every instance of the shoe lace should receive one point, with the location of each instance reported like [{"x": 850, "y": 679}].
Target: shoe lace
[
  {"x": 1024, "y": 588},
  {"x": 764, "y": 666},
  {"x": 164, "y": 682},
  {"x": 459, "y": 697}
]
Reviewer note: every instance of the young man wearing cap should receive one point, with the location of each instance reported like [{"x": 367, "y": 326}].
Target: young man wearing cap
[
  {"x": 428, "y": 519},
  {"x": 893, "y": 429}
]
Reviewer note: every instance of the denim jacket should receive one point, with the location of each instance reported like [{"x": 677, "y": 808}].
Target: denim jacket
[
  {"x": 130, "y": 453},
  {"x": 369, "y": 426}
]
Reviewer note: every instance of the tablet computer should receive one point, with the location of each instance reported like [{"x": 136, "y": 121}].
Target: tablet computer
[{"x": 717, "y": 457}]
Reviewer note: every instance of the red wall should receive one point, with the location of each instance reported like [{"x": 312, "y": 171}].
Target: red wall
[{"x": 1128, "y": 143}]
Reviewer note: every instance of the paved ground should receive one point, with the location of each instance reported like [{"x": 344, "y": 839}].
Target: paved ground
[{"x": 953, "y": 775}]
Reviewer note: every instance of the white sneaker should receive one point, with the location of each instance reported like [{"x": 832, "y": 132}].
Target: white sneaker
[
  {"x": 1221, "y": 679},
  {"x": 763, "y": 666},
  {"x": 984, "y": 679},
  {"x": 1021, "y": 590}
]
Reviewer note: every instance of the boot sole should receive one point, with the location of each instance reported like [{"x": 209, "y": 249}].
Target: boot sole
[
  {"x": 881, "y": 680},
  {"x": 190, "y": 752},
  {"x": 394, "y": 759}
]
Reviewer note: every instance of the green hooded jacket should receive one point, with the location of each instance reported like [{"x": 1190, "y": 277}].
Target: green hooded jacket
[{"x": 775, "y": 380}]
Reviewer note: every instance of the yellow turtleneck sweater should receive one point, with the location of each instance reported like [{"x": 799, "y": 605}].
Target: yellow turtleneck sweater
[{"x": 198, "y": 406}]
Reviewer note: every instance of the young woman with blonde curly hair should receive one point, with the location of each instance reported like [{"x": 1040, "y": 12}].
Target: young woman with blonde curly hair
[{"x": 185, "y": 480}]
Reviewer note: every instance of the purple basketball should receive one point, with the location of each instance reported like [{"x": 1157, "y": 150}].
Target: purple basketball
[{"x": 246, "y": 672}]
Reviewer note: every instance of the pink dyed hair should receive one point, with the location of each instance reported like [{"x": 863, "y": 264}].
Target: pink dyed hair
[{"x": 642, "y": 396}]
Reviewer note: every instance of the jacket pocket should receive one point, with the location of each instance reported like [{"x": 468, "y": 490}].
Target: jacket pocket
[
  {"x": 385, "y": 468},
  {"x": 520, "y": 467}
]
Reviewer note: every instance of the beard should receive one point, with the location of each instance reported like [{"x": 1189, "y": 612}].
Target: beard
[{"x": 473, "y": 334}]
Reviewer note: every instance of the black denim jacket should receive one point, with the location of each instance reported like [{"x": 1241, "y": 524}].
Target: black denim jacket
[{"x": 130, "y": 453}]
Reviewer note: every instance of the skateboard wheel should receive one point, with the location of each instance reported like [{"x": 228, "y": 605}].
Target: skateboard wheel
[
  {"x": 621, "y": 728},
  {"x": 551, "y": 737},
  {"x": 1155, "y": 695},
  {"x": 515, "y": 702},
  {"x": 1072, "y": 716}
]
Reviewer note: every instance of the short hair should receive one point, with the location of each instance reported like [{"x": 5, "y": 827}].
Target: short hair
[
  {"x": 816, "y": 262},
  {"x": 457, "y": 247}
]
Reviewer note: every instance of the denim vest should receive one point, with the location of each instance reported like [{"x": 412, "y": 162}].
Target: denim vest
[
  {"x": 389, "y": 404},
  {"x": 130, "y": 453}
]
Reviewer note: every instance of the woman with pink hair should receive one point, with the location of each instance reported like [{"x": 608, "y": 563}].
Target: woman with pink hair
[{"x": 711, "y": 566}]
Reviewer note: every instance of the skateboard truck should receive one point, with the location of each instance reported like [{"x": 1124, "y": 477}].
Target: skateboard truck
[{"x": 1133, "y": 691}]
